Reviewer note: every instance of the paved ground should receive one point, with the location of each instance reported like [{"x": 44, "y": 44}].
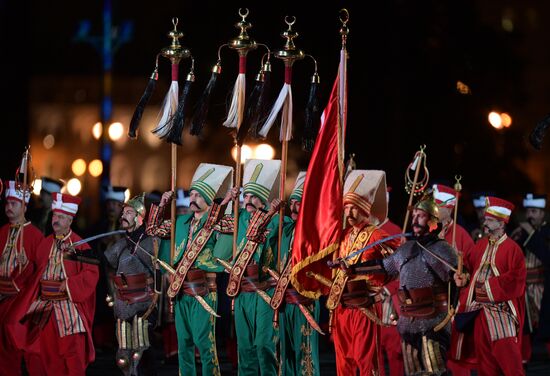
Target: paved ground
[{"x": 105, "y": 364}]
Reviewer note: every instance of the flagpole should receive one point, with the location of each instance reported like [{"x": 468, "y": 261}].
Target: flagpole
[
  {"x": 25, "y": 162},
  {"x": 236, "y": 204},
  {"x": 289, "y": 54},
  {"x": 175, "y": 53},
  {"x": 458, "y": 188}
]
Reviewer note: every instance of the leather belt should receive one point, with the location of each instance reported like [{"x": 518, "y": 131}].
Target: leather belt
[
  {"x": 251, "y": 280},
  {"x": 358, "y": 295},
  {"x": 425, "y": 302},
  {"x": 133, "y": 288},
  {"x": 199, "y": 282}
]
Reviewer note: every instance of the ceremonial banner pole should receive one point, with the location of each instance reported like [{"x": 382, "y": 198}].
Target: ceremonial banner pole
[
  {"x": 23, "y": 185},
  {"x": 242, "y": 44},
  {"x": 172, "y": 113},
  {"x": 458, "y": 188},
  {"x": 414, "y": 187},
  {"x": 290, "y": 54}
]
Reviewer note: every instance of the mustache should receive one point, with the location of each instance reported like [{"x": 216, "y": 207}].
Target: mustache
[
  {"x": 251, "y": 205},
  {"x": 55, "y": 224},
  {"x": 419, "y": 226},
  {"x": 123, "y": 220},
  {"x": 294, "y": 211},
  {"x": 194, "y": 203}
]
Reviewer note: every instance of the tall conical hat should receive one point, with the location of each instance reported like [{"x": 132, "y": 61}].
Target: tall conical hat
[
  {"x": 367, "y": 190},
  {"x": 261, "y": 178},
  {"x": 212, "y": 181}
]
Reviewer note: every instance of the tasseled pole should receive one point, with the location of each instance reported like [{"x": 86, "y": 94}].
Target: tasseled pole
[
  {"x": 173, "y": 176},
  {"x": 285, "y": 136},
  {"x": 174, "y": 136},
  {"x": 199, "y": 118},
  {"x": 138, "y": 112}
]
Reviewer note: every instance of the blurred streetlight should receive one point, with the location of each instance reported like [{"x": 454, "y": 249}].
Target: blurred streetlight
[
  {"x": 116, "y": 130},
  {"x": 495, "y": 120},
  {"x": 264, "y": 151},
  {"x": 48, "y": 141},
  {"x": 95, "y": 168},
  {"x": 499, "y": 120},
  {"x": 97, "y": 130},
  {"x": 78, "y": 167},
  {"x": 246, "y": 153},
  {"x": 506, "y": 120},
  {"x": 74, "y": 186}
]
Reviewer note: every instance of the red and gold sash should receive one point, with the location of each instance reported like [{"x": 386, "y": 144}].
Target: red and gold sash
[
  {"x": 282, "y": 285},
  {"x": 255, "y": 235},
  {"x": 339, "y": 282},
  {"x": 195, "y": 248}
]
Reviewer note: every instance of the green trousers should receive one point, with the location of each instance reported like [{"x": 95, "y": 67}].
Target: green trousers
[
  {"x": 196, "y": 328},
  {"x": 256, "y": 337},
  {"x": 299, "y": 341}
]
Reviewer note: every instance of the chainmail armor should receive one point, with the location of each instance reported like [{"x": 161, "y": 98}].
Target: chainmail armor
[{"x": 416, "y": 268}]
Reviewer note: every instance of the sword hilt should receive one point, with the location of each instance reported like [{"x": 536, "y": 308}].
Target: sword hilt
[
  {"x": 272, "y": 273},
  {"x": 320, "y": 278}
]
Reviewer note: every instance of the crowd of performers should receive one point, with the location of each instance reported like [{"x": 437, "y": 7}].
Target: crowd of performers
[{"x": 427, "y": 307}]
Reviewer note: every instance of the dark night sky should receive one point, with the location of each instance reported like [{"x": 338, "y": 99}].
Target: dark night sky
[{"x": 405, "y": 60}]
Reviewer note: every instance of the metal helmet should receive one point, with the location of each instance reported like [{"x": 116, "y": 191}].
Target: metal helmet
[
  {"x": 428, "y": 204},
  {"x": 138, "y": 204}
]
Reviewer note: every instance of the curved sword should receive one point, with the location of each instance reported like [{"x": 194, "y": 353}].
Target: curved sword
[
  {"x": 337, "y": 262},
  {"x": 98, "y": 236}
]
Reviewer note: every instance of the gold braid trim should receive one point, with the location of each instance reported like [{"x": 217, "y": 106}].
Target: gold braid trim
[{"x": 306, "y": 262}]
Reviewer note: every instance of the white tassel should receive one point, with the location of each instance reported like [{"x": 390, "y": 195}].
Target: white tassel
[
  {"x": 236, "y": 109},
  {"x": 286, "y": 118},
  {"x": 167, "y": 111},
  {"x": 284, "y": 101}
]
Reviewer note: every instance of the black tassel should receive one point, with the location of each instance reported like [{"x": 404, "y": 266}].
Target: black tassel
[
  {"x": 537, "y": 134},
  {"x": 312, "y": 113},
  {"x": 257, "y": 109},
  {"x": 138, "y": 113},
  {"x": 201, "y": 112},
  {"x": 178, "y": 120}
]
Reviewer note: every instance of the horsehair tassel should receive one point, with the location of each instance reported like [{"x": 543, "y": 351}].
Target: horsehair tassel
[
  {"x": 236, "y": 109},
  {"x": 168, "y": 108},
  {"x": 284, "y": 103},
  {"x": 201, "y": 112},
  {"x": 312, "y": 118},
  {"x": 174, "y": 136},
  {"x": 257, "y": 107},
  {"x": 138, "y": 112}
]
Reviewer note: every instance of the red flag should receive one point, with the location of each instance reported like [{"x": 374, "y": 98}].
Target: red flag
[{"x": 319, "y": 223}]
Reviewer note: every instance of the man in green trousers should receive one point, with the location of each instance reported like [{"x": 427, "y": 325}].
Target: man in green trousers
[
  {"x": 193, "y": 285},
  {"x": 249, "y": 285},
  {"x": 299, "y": 341}
]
